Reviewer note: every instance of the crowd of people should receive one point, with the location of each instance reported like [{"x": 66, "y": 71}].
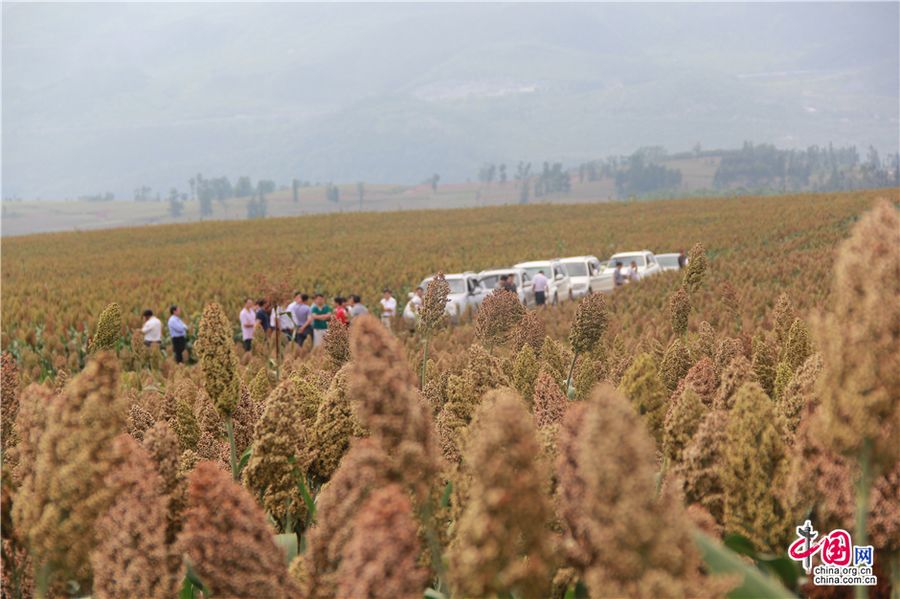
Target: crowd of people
[
  {"x": 305, "y": 318},
  {"x": 309, "y": 318}
]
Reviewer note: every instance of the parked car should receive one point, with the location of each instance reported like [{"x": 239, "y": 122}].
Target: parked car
[
  {"x": 558, "y": 288},
  {"x": 646, "y": 263},
  {"x": 490, "y": 280},
  {"x": 669, "y": 261},
  {"x": 466, "y": 292},
  {"x": 586, "y": 275}
]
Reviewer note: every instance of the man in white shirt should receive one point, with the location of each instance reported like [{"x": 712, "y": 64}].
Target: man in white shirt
[
  {"x": 539, "y": 285},
  {"x": 281, "y": 318},
  {"x": 633, "y": 275},
  {"x": 152, "y": 329},
  {"x": 411, "y": 311},
  {"x": 248, "y": 323},
  {"x": 388, "y": 308}
]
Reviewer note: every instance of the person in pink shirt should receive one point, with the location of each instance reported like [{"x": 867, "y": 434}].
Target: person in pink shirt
[{"x": 248, "y": 323}]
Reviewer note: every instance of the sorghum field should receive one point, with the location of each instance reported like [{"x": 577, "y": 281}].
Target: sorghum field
[{"x": 662, "y": 441}]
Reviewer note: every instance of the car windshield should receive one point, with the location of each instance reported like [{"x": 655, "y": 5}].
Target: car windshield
[
  {"x": 493, "y": 281},
  {"x": 576, "y": 269},
  {"x": 668, "y": 260},
  {"x": 457, "y": 285},
  {"x": 532, "y": 271},
  {"x": 626, "y": 260},
  {"x": 490, "y": 281}
]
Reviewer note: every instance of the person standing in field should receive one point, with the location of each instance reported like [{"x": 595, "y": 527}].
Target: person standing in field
[
  {"x": 388, "y": 308},
  {"x": 302, "y": 315},
  {"x": 618, "y": 275},
  {"x": 510, "y": 284},
  {"x": 152, "y": 329},
  {"x": 633, "y": 275},
  {"x": 682, "y": 259},
  {"x": 340, "y": 312},
  {"x": 178, "y": 333},
  {"x": 539, "y": 284},
  {"x": 356, "y": 307},
  {"x": 281, "y": 318},
  {"x": 502, "y": 282},
  {"x": 321, "y": 314},
  {"x": 411, "y": 311},
  {"x": 262, "y": 315},
  {"x": 248, "y": 323}
]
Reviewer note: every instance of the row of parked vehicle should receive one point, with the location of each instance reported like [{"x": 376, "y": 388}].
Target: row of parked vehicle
[{"x": 568, "y": 278}]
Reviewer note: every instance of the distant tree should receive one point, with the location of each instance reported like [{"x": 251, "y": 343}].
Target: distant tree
[
  {"x": 502, "y": 170},
  {"x": 142, "y": 194},
  {"x": 523, "y": 192},
  {"x": 641, "y": 177},
  {"x": 176, "y": 205},
  {"x": 222, "y": 188},
  {"x": 553, "y": 179},
  {"x": 295, "y": 190},
  {"x": 486, "y": 173},
  {"x": 434, "y": 182},
  {"x": 243, "y": 188},
  {"x": 522, "y": 172},
  {"x": 265, "y": 186},
  {"x": 332, "y": 193},
  {"x": 873, "y": 161},
  {"x": 205, "y": 194},
  {"x": 360, "y": 192},
  {"x": 257, "y": 207},
  {"x": 98, "y": 197},
  {"x": 193, "y": 183}
]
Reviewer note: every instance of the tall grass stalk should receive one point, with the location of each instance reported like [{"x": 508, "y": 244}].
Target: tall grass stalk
[
  {"x": 229, "y": 428},
  {"x": 863, "y": 486}
]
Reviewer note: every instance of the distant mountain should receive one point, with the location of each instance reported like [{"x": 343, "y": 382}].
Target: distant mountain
[{"x": 108, "y": 97}]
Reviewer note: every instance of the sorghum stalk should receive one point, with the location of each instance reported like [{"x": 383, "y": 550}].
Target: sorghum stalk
[
  {"x": 863, "y": 486},
  {"x": 424, "y": 359},
  {"x": 229, "y": 428},
  {"x": 432, "y": 314},
  {"x": 591, "y": 320},
  {"x": 426, "y": 515},
  {"x": 895, "y": 575},
  {"x": 569, "y": 389}
]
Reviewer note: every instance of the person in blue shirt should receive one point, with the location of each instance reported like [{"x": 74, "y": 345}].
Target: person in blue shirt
[{"x": 178, "y": 333}]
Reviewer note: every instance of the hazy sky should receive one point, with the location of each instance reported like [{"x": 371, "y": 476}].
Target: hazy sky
[{"x": 108, "y": 97}]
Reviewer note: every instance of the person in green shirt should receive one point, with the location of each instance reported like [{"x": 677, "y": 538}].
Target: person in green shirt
[{"x": 321, "y": 314}]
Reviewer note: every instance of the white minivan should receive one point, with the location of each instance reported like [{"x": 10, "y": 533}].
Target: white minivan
[
  {"x": 490, "y": 279},
  {"x": 466, "y": 292},
  {"x": 586, "y": 275},
  {"x": 645, "y": 260},
  {"x": 558, "y": 289}
]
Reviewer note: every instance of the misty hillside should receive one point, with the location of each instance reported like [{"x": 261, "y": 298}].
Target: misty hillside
[{"x": 109, "y": 97}]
